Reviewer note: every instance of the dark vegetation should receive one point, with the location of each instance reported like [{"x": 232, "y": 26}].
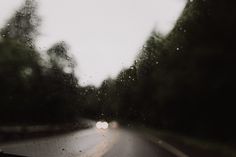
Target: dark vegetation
[{"x": 184, "y": 82}]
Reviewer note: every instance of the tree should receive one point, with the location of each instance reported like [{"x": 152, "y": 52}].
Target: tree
[
  {"x": 60, "y": 84},
  {"x": 23, "y": 26},
  {"x": 19, "y": 64},
  {"x": 60, "y": 58}
]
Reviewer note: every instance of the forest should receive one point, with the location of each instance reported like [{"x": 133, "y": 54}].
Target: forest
[{"x": 184, "y": 82}]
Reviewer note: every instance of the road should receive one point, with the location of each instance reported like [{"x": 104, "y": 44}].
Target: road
[{"x": 94, "y": 143}]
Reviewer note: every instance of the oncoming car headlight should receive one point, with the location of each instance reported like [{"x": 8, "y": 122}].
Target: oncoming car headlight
[{"x": 102, "y": 125}]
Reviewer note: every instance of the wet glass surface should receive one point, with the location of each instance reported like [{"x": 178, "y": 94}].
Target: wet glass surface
[{"x": 117, "y": 78}]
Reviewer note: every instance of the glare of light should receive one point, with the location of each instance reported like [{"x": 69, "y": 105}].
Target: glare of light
[
  {"x": 105, "y": 125},
  {"x": 102, "y": 125},
  {"x": 99, "y": 125}
]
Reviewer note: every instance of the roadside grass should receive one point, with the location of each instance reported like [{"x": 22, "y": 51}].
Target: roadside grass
[
  {"x": 201, "y": 144},
  {"x": 20, "y": 132}
]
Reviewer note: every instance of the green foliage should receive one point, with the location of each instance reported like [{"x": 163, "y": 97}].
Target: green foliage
[
  {"x": 185, "y": 81},
  {"x": 60, "y": 59},
  {"x": 30, "y": 91},
  {"x": 22, "y": 27}
]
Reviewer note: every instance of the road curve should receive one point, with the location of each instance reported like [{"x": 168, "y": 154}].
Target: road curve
[{"x": 93, "y": 143}]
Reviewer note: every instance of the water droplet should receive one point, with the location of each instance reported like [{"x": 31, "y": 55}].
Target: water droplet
[
  {"x": 26, "y": 72},
  {"x": 68, "y": 70}
]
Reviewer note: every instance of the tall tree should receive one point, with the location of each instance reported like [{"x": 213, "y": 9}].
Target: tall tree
[
  {"x": 23, "y": 26},
  {"x": 60, "y": 57}
]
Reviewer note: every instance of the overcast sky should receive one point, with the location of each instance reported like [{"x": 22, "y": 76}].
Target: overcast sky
[{"x": 104, "y": 35}]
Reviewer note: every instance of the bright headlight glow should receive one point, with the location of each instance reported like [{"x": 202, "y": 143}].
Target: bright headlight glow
[
  {"x": 102, "y": 125},
  {"x": 99, "y": 125},
  {"x": 105, "y": 125}
]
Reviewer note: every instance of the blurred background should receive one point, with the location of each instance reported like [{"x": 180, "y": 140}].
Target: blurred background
[{"x": 181, "y": 82}]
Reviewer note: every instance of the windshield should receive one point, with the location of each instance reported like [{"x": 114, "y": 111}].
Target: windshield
[{"x": 117, "y": 78}]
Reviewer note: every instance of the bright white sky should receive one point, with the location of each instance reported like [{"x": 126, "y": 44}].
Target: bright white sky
[{"x": 104, "y": 35}]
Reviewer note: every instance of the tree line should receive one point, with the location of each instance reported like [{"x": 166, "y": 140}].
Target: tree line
[{"x": 183, "y": 82}]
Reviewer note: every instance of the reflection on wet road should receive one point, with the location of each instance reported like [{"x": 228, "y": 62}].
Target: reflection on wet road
[{"x": 90, "y": 143}]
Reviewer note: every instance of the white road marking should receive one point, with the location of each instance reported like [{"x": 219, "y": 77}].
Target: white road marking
[{"x": 167, "y": 146}]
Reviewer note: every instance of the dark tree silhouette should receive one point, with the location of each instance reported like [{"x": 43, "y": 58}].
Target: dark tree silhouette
[
  {"x": 23, "y": 26},
  {"x": 185, "y": 81}
]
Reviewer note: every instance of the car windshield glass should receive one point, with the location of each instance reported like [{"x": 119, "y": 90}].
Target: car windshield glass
[{"x": 117, "y": 78}]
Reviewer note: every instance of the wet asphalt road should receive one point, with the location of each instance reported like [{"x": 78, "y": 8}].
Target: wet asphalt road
[{"x": 93, "y": 143}]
